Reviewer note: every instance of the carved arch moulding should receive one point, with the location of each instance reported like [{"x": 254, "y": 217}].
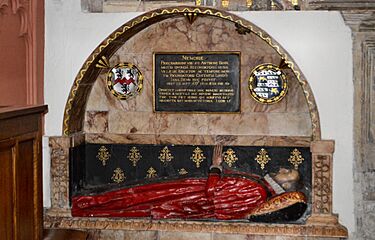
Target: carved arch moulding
[{"x": 80, "y": 91}]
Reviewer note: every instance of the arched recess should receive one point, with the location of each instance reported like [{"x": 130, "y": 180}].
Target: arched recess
[{"x": 74, "y": 113}]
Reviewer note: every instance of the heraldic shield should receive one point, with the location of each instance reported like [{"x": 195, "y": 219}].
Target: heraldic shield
[
  {"x": 125, "y": 80},
  {"x": 268, "y": 84}
]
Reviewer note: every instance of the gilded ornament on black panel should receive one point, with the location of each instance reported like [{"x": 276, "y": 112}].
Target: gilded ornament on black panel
[
  {"x": 296, "y": 158},
  {"x": 262, "y": 158},
  {"x": 197, "y": 157},
  {"x": 230, "y": 157},
  {"x": 103, "y": 155},
  {"x": 268, "y": 84},
  {"x": 182, "y": 171},
  {"x": 134, "y": 156},
  {"x": 165, "y": 155},
  {"x": 151, "y": 173},
  {"x": 118, "y": 175}
]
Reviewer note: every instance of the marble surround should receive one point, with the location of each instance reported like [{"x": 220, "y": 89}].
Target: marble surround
[{"x": 106, "y": 113}]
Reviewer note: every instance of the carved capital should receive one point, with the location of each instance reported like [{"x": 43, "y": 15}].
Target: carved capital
[{"x": 360, "y": 21}]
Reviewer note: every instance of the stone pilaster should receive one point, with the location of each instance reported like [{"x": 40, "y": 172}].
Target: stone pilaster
[
  {"x": 322, "y": 165},
  {"x": 59, "y": 176},
  {"x": 362, "y": 24}
]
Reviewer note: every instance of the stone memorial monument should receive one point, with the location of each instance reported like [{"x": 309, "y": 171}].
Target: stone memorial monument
[{"x": 192, "y": 119}]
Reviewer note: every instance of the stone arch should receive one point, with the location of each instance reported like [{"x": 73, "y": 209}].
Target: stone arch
[{"x": 74, "y": 113}]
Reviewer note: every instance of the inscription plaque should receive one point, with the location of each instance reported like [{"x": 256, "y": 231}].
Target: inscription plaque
[{"x": 197, "y": 82}]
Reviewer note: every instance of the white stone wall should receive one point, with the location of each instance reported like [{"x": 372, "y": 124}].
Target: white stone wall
[{"x": 319, "y": 42}]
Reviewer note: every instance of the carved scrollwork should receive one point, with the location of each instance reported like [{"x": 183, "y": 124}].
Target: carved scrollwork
[{"x": 322, "y": 185}]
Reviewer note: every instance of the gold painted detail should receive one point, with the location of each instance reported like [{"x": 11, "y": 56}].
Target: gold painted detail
[
  {"x": 296, "y": 158},
  {"x": 230, "y": 157},
  {"x": 262, "y": 158},
  {"x": 103, "y": 63},
  {"x": 198, "y": 2},
  {"x": 165, "y": 155},
  {"x": 134, "y": 156},
  {"x": 191, "y": 17},
  {"x": 182, "y": 171},
  {"x": 151, "y": 173},
  {"x": 118, "y": 175},
  {"x": 103, "y": 155},
  {"x": 225, "y": 3},
  {"x": 197, "y": 157},
  {"x": 249, "y": 3}
]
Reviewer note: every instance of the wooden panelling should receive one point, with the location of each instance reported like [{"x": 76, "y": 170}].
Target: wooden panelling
[{"x": 21, "y": 173}]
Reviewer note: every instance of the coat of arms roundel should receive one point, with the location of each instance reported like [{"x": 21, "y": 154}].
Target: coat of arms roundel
[
  {"x": 125, "y": 80},
  {"x": 267, "y": 84}
]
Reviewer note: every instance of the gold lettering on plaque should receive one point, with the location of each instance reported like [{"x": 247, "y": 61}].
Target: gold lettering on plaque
[
  {"x": 197, "y": 157},
  {"x": 103, "y": 155},
  {"x": 296, "y": 158},
  {"x": 165, "y": 155},
  {"x": 134, "y": 156},
  {"x": 262, "y": 158}
]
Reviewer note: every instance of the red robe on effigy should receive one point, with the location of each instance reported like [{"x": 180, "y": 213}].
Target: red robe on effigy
[{"x": 215, "y": 197}]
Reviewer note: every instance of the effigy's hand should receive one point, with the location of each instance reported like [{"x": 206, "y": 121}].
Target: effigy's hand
[{"x": 217, "y": 158}]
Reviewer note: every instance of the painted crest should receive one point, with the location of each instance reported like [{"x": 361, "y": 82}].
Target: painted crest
[
  {"x": 125, "y": 80},
  {"x": 267, "y": 84}
]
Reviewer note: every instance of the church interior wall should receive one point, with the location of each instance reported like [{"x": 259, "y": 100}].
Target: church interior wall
[{"x": 319, "y": 42}]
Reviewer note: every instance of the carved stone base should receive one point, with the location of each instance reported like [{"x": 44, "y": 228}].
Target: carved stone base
[{"x": 316, "y": 229}]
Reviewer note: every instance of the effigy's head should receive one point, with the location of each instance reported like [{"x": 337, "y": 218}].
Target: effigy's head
[{"x": 287, "y": 178}]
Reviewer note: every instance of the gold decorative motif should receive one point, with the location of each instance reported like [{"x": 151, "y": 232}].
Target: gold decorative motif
[
  {"x": 249, "y": 3},
  {"x": 225, "y": 3},
  {"x": 134, "y": 156},
  {"x": 151, "y": 173},
  {"x": 103, "y": 155},
  {"x": 296, "y": 158},
  {"x": 165, "y": 155},
  {"x": 262, "y": 158},
  {"x": 182, "y": 171},
  {"x": 230, "y": 157},
  {"x": 118, "y": 175},
  {"x": 197, "y": 157},
  {"x": 103, "y": 63},
  {"x": 191, "y": 17},
  {"x": 198, "y": 2}
]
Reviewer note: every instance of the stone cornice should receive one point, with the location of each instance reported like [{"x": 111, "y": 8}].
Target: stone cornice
[
  {"x": 341, "y": 5},
  {"x": 360, "y": 21}
]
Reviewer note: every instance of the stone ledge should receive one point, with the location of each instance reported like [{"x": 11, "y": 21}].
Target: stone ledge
[{"x": 310, "y": 230}]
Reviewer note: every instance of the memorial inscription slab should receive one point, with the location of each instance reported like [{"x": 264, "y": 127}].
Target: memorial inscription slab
[{"x": 197, "y": 82}]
